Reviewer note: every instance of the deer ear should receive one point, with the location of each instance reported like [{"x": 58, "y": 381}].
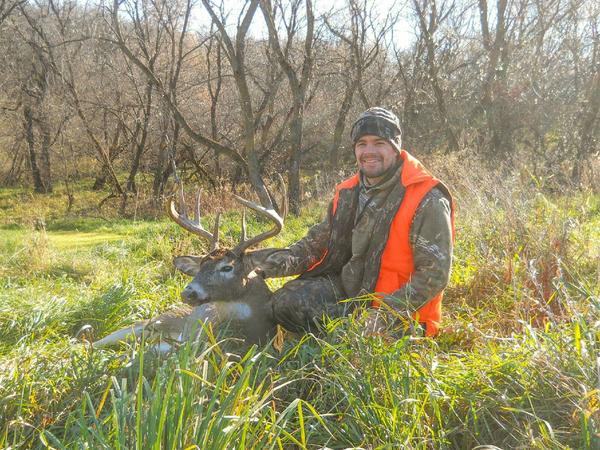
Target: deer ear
[{"x": 190, "y": 265}]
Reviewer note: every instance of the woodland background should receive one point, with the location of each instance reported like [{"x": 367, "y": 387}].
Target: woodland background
[{"x": 114, "y": 92}]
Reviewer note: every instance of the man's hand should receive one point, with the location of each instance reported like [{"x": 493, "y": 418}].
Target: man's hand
[
  {"x": 385, "y": 321},
  {"x": 257, "y": 261}
]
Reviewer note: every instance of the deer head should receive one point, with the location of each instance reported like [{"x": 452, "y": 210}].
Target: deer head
[
  {"x": 222, "y": 275},
  {"x": 222, "y": 278},
  {"x": 218, "y": 276}
]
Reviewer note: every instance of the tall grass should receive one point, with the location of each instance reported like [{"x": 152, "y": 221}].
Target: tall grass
[
  {"x": 516, "y": 367},
  {"x": 198, "y": 398}
]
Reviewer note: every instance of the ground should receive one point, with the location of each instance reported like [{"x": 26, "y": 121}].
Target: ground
[{"x": 517, "y": 365}]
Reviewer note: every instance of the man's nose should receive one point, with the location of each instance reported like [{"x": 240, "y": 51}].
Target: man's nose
[{"x": 369, "y": 150}]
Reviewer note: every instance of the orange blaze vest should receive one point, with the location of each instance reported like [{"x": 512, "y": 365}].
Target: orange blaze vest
[{"x": 397, "y": 259}]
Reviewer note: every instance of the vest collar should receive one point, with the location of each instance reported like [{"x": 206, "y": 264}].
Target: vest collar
[{"x": 412, "y": 170}]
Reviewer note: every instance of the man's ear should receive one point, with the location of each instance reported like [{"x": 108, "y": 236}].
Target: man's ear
[{"x": 190, "y": 265}]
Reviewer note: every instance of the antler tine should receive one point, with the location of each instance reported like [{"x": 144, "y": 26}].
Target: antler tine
[
  {"x": 244, "y": 229},
  {"x": 197, "y": 208},
  {"x": 215, "y": 243},
  {"x": 193, "y": 226},
  {"x": 269, "y": 213},
  {"x": 214, "y": 237},
  {"x": 283, "y": 205},
  {"x": 284, "y": 197},
  {"x": 182, "y": 204}
]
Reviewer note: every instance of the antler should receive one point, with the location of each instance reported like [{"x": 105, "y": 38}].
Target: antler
[
  {"x": 269, "y": 213},
  {"x": 194, "y": 226}
]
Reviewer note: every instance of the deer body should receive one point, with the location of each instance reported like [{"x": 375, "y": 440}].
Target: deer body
[
  {"x": 170, "y": 325},
  {"x": 215, "y": 297}
]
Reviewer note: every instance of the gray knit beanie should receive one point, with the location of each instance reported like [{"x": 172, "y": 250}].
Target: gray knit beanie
[{"x": 379, "y": 122}]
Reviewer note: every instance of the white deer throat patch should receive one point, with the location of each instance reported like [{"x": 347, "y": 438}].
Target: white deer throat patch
[{"x": 234, "y": 310}]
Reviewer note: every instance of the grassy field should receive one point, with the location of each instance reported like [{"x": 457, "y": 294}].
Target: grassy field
[{"x": 517, "y": 366}]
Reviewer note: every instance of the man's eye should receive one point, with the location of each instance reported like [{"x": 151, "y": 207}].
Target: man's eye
[{"x": 226, "y": 268}]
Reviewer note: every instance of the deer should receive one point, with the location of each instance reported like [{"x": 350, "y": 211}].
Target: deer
[{"x": 223, "y": 290}]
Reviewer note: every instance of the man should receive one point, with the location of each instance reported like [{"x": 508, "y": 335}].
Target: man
[{"x": 389, "y": 231}]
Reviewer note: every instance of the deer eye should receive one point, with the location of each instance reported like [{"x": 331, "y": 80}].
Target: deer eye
[{"x": 226, "y": 269}]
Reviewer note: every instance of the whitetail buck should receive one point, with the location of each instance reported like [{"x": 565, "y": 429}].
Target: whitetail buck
[{"x": 223, "y": 291}]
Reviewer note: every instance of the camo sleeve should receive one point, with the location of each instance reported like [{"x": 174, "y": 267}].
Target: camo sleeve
[
  {"x": 297, "y": 258},
  {"x": 431, "y": 241}
]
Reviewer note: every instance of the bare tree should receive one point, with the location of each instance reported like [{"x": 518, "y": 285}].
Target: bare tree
[
  {"x": 235, "y": 52},
  {"x": 430, "y": 17},
  {"x": 214, "y": 69},
  {"x": 494, "y": 98},
  {"x": 589, "y": 114},
  {"x": 298, "y": 78},
  {"x": 7, "y": 7},
  {"x": 35, "y": 90},
  {"x": 361, "y": 36},
  {"x": 99, "y": 92},
  {"x": 68, "y": 37},
  {"x": 140, "y": 134},
  {"x": 235, "y": 56}
]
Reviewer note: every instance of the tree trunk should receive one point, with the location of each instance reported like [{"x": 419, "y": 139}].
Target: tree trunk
[
  {"x": 294, "y": 192},
  {"x": 495, "y": 93},
  {"x": 38, "y": 182},
  {"x": 163, "y": 157},
  {"x": 163, "y": 153},
  {"x": 340, "y": 125},
  {"x": 14, "y": 173},
  {"x": 141, "y": 144},
  {"x": 215, "y": 93},
  {"x": 428, "y": 30},
  {"x": 45, "y": 153},
  {"x": 589, "y": 124}
]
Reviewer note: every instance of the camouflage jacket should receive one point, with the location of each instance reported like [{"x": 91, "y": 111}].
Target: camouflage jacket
[{"x": 430, "y": 237}]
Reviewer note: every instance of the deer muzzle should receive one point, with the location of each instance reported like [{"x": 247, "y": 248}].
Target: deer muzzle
[{"x": 194, "y": 295}]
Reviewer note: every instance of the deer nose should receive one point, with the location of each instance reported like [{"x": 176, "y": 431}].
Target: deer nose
[
  {"x": 188, "y": 295},
  {"x": 193, "y": 294}
]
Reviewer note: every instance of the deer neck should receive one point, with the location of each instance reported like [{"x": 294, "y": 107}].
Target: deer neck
[{"x": 256, "y": 291}]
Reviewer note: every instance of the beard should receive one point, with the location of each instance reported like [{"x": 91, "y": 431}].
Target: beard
[
  {"x": 377, "y": 173},
  {"x": 374, "y": 170}
]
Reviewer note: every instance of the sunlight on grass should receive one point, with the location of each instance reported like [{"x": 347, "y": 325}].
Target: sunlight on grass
[{"x": 65, "y": 240}]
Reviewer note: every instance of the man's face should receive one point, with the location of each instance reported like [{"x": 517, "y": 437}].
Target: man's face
[{"x": 374, "y": 156}]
